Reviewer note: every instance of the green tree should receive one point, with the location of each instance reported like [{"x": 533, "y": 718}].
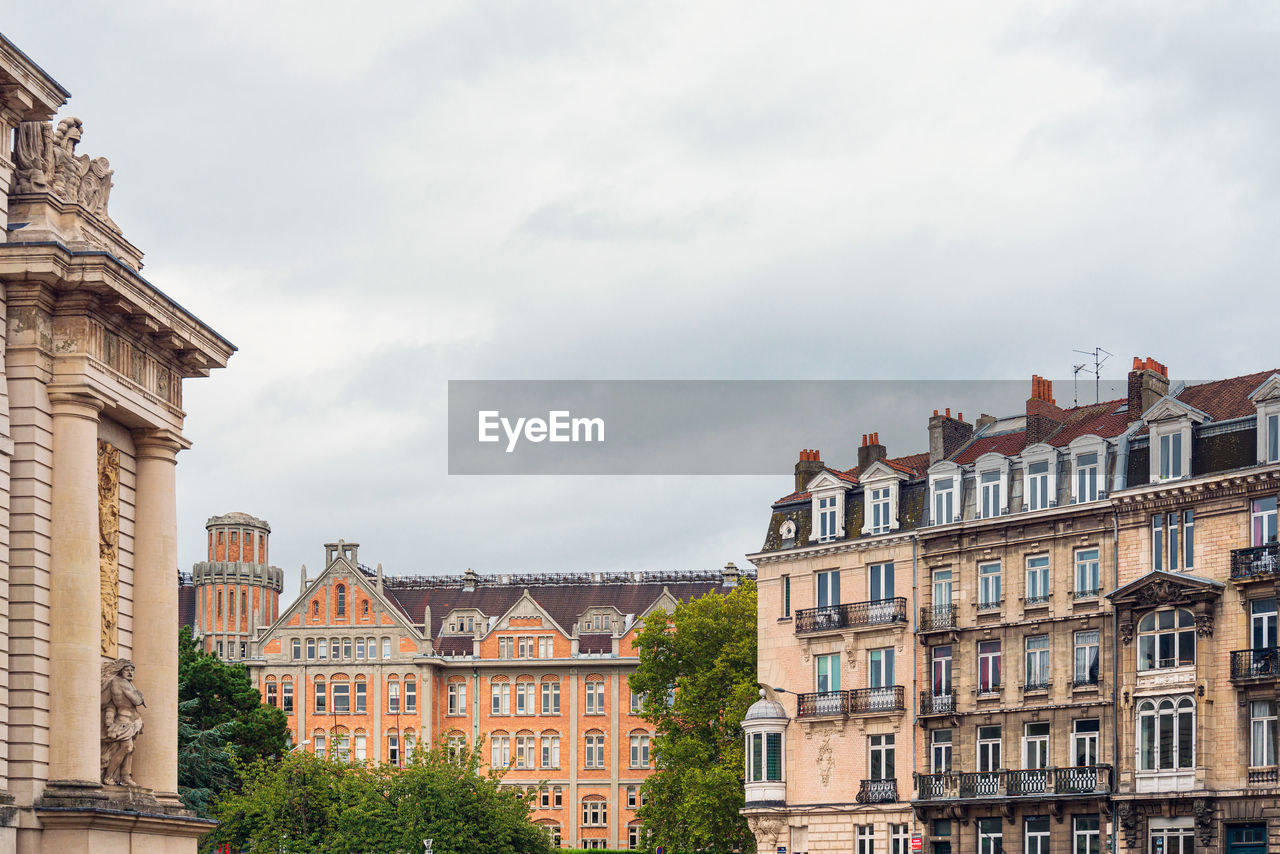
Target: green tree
[
  {"x": 319, "y": 806},
  {"x": 697, "y": 672},
  {"x": 220, "y": 719}
]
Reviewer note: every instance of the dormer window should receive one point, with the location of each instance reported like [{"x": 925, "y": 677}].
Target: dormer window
[
  {"x": 1271, "y": 438},
  {"x": 1171, "y": 422},
  {"x": 1040, "y": 463},
  {"x": 989, "y": 487},
  {"x": 1267, "y": 398},
  {"x": 944, "y": 494},
  {"x": 1171, "y": 456},
  {"x": 880, "y": 510},
  {"x": 880, "y": 485},
  {"x": 1087, "y": 477},
  {"x": 826, "y": 519},
  {"x": 1038, "y": 485}
]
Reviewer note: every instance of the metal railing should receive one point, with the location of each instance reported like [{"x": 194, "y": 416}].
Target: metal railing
[
  {"x": 1032, "y": 601},
  {"x": 1037, "y": 683},
  {"x": 1027, "y": 783},
  {"x": 937, "y": 704},
  {"x": 860, "y": 701},
  {"x": 1255, "y": 663},
  {"x": 937, "y": 617},
  {"x": 1079, "y": 680},
  {"x": 1255, "y": 562},
  {"x": 1264, "y": 776},
  {"x": 1090, "y": 593},
  {"x": 878, "y": 791},
  {"x": 990, "y": 604},
  {"x": 876, "y": 612}
]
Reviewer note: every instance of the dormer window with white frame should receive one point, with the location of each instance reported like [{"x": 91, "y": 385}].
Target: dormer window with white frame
[
  {"x": 1040, "y": 465},
  {"x": 1267, "y": 398},
  {"x": 880, "y": 510},
  {"x": 1170, "y": 423},
  {"x": 880, "y": 490},
  {"x": 944, "y": 493},
  {"x": 992, "y": 472},
  {"x": 1088, "y": 469},
  {"x": 828, "y": 508}
]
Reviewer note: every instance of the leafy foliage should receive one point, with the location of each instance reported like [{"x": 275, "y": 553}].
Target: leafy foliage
[
  {"x": 305, "y": 805},
  {"x": 698, "y": 674}
]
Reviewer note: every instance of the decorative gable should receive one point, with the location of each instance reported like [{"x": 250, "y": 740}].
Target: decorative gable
[
  {"x": 1160, "y": 589},
  {"x": 827, "y": 495},
  {"x": 880, "y": 492},
  {"x": 1266, "y": 398}
]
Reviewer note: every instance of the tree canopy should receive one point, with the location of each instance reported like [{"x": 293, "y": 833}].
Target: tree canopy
[
  {"x": 305, "y": 805},
  {"x": 697, "y": 672}
]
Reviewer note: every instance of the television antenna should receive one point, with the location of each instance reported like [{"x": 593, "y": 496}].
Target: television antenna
[{"x": 1100, "y": 357}]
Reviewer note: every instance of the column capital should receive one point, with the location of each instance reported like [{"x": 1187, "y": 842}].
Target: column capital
[
  {"x": 161, "y": 443},
  {"x": 79, "y": 401}
]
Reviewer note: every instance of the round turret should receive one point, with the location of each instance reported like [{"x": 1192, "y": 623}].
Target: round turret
[
  {"x": 765, "y": 726},
  {"x": 237, "y": 590}
]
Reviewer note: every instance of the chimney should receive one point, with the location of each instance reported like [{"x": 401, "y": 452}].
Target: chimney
[
  {"x": 1043, "y": 415},
  {"x": 947, "y": 435},
  {"x": 870, "y": 451},
  {"x": 470, "y": 579},
  {"x": 984, "y": 421},
  {"x": 807, "y": 468},
  {"x": 1148, "y": 382},
  {"x": 729, "y": 575}
]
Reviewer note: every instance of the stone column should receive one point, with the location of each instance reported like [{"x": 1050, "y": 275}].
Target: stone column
[
  {"x": 75, "y": 613},
  {"x": 155, "y": 609}
]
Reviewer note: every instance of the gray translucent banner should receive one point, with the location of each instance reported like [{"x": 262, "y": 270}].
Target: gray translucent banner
[{"x": 710, "y": 427}]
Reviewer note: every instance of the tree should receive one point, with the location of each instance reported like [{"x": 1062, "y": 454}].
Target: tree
[
  {"x": 697, "y": 673},
  {"x": 322, "y": 806},
  {"x": 220, "y": 719}
]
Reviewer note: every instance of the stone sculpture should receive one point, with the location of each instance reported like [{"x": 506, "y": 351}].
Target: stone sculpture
[
  {"x": 47, "y": 162},
  {"x": 121, "y": 721},
  {"x": 109, "y": 543}
]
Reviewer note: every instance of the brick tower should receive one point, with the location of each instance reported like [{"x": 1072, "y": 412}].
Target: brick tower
[{"x": 237, "y": 590}]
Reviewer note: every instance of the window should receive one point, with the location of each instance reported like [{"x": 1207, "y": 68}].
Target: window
[
  {"x": 989, "y": 488},
  {"x": 637, "y": 702},
  {"x": 989, "y": 749},
  {"x": 323, "y": 648},
  {"x": 1038, "y": 485},
  {"x": 361, "y": 752},
  {"x": 989, "y": 667},
  {"x": 764, "y": 757},
  {"x": 219, "y": 648},
  {"x": 524, "y": 647},
  {"x": 500, "y": 750},
  {"x": 525, "y": 698},
  {"x": 1263, "y": 521},
  {"x": 880, "y": 578},
  {"x": 362, "y": 696},
  {"x": 318, "y": 741},
  {"x": 1166, "y": 639},
  {"x": 1084, "y": 742},
  {"x": 1085, "y": 836},
  {"x": 1038, "y": 588},
  {"x": 827, "y": 518},
  {"x": 786, "y": 596},
  {"x": 1171, "y": 455},
  {"x": 286, "y": 695},
  {"x": 990, "y": 838},
  {"x": 411, "y": 695},
  {"x": 942, "y": 591},
  {"x": 1036, "y": 833},
  {"x": 989, "y": 588},
  {"x": 342, "y": 601},
  {"x": 1262, "y": 734},
  {"x": 1271, "y": 439},
  {"x": 551, "y": 698},
  {"x": 828, "y": 667},
  {"x": 271, "y": 693},
  {"x": 551, "y": 751},
  {"x": 880, "y": 675},
  {"x": 880, "y": 510},
  {"x": 1172, "y": 840},
  {"x": 501, "y": 698},
  {"x": 1086, "y": 658},
  {"x": 595, "y": 697},
  {"x": 386, "y": 647},
  {"x": 1262, "y": 624},
  {"x": 640, "y": 751},
  {"x": 393, "y": 696},
  {"x": 866, "y": 839},
  {"x": 455, "y": 745},
  {"x": 829, "y": 588},
  {"x": 1037, "y": 662},
  {"x": 364, "y": 609},
  {"x": 341, "y": 698},
  {"x": 944, "y": 500},
  {"x": 336, "y": 646},
  {"x": 940, "y": 754},
  {"x": 311, "y": 649},
  {"x": 393, "y": 748},
  {"x": 346, "y": 648},
  {"x": 899, "y": 839},
  {"x": 881, "y": 750},
  {"x": 525, "y": 751},
  {"x": 359, "y": 649},
  {"x": 296, "y": 648},
  {"x": 320, "y": 697},
  {"x": 633, "y": 835},
  {"x": 1088, "y": 582},
  {"x": 595, "y": 813},
  {"x": 341, "y": 747},
  {"x": 941, "y": 675},
  {"x": 546, "y": 648},
  {"x": 594, "y": 750},
  {"x": 1035, "y": 745},
  {"x": 315, "y": 608},
  {"x": 457, "y": 698},
  {"x": 1173, "y": 544},
  {"x": 1086, "y": 478},
  {"x": 1166, "y": 734}
]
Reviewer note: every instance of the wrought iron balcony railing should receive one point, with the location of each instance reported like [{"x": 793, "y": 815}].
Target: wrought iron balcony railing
[
  {"x": 878, "y": 791},
  {"x": 990, "y": 604},
  {"x": 1039, "y": 682},
  {"x": 1255, "y": 663},
  {"x": 1255, "y": 562},
  {"x": 1032, "y": 601},
  {"x": 861, "y": 701},
  {"x": 1087, "y": 593},
  {"x": 1027, "y": 783},
  {"x": 1264, "y": 776},
  {"x": 937, "y": 704},
  {"x": 1080, "y": 680},
  {"x": 877, "y": 612},
  {"x": 937, "y": 617}
]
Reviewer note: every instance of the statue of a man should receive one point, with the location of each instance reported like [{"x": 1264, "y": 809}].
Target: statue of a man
[{"x": 121, "y": 721}]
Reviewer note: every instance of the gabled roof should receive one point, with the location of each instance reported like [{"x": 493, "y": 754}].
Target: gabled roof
[
  {"x": 1225, "y": 399},
  {"x": 913, "y": 465},
  {"x": 1161, "y": 586}
]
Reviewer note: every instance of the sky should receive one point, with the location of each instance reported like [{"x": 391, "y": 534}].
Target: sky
[{"x": 373, "y": 199}]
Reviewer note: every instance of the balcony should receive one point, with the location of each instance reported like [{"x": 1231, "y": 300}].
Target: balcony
[
  {"x": 879, "y": 612},
  {"x": 861, "y": 701},
  {"x": 990, "y": 604},
  {"x": 1087, "y": 593},
  {"x": 937, "y": 618},
  {"x": 878, "y": 792},
  {"x": 1028, "y": 783},
  {"x": 1039, "y": 682},
  {"x": 1036, "y": 601},
  {"x": 1264, "y": 777},
  {"x": 1085, "y": 680},
  {"x": 1248, "y": 664},
  {"x": 1257, "y": 562},
  {"x": 937, "y": 704}
]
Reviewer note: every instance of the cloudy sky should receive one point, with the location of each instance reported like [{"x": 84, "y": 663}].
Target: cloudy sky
[{"x": 371, "y": 199}]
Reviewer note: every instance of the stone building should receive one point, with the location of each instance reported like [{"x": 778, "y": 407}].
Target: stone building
[
  {"x": 366, "y": 666},
  {"x": 235, "y": 591},
  {"x": 90, "y": 427}
]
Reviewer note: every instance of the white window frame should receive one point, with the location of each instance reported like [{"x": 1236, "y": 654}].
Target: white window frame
[
  {"x": 880, "y": 494},
  {"x": 1079, "y": 447},
  {"x": 1154, "y": 709},
  {"x": 550, "y": 698},
  {"x": 525, "y": 698},
  {"x": 1039, "y": 838},
  {"x": 1091, "y": 739},
  {"x": 985, "y": 465},
  {"x": 594, "y": 690},
  {"x": 593, "y": 750},
  {"x": 1040, "y": 453},
  {"x": 1162, "y": 433},
  {"x": 945, "y": 471},
  {"x": 866, "y": 839},
  {"x": 1038, "y": 591},
  {"x": 640, "y": 750},
  {"x": 832, "y": 662},
  {"x": 1267, "y": 399},
  {"x": 550, "y": 751},
  {"x": 500, "y": 698},
  {"x": 827, "y": 487},
  {"x": 826, "y": 581},
  {"x": 1035, "y": 748},
  {"x": 990, "y": 582},
  {"x": 1081, "y": 563},
  {"x": 1262, "y": 723},
  {"x": 1091, "y": 836},
  {"x": 457, "y": 698},
  {"x": 1038, "y": 666}
]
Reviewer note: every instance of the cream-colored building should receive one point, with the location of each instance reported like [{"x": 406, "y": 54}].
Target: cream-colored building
[{"x": 90, "y": 427}]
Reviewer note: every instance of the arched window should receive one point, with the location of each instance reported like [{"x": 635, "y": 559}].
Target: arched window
[
  {"x": 393, "y": 695},
  {"x": 359, "y": 748},
  {"x": 342, "y": 601},
  {"x": 410, "y": 741},
  {"x": 594, "y": 743},
  {"x": 364, "y": 608},
  {"x": 595, "y": 811},
  {"x": 318, "y": 743},
  {"x": 525, "y": 749},
  {"x": 1167, "y": 639},
  {"x": 244, "y": 604},
  {"x": 393, "y": 747},
  {"x": 500, "y": 749},
  {"x": 1167, "y": 734},
  {"x": 315, "y": 607},
  {"x": 550, "y": 749}
]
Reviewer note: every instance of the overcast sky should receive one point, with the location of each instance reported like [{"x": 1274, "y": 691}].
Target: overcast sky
[{"x": 370, "y": 199}]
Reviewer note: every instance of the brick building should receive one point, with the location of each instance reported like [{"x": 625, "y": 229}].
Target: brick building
[
  {"x": 367, "y": 666},
  {"x": 232, "y": 593}
]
